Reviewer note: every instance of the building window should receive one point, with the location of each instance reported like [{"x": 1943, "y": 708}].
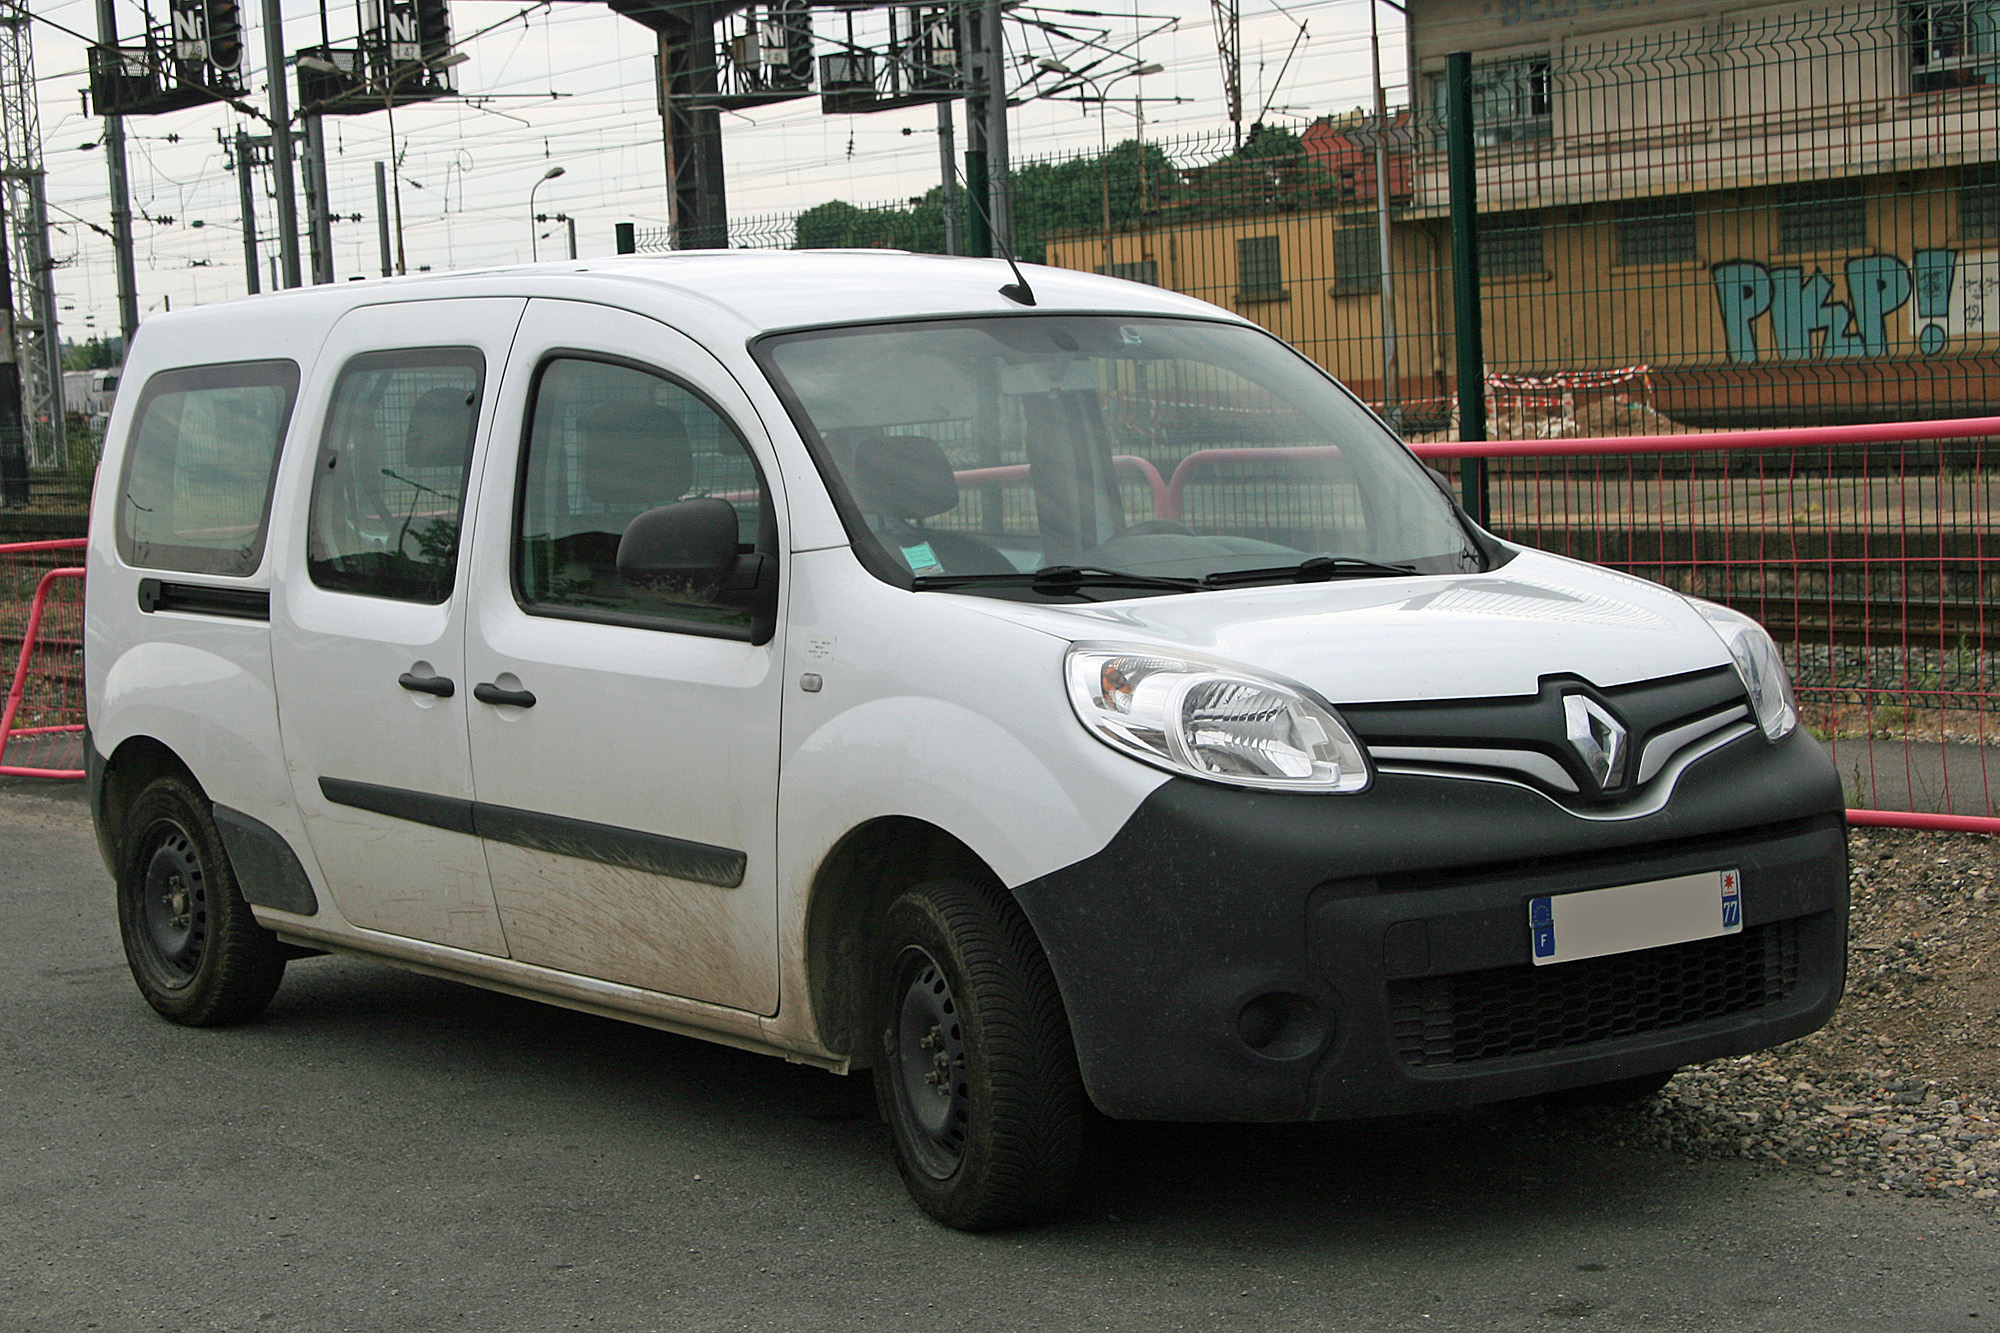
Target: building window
[
  {"x": 1357, "y": 261},
  {"x": 1510, "y": 101},
  {"x": 1260, "y": 273},
  {"x": 1979, "y": 204},
  {"x": 1142, "y": 270},
  {"x": 1510, "y": 245},
  {"x": 1656, "y": 231},
  {"x": 1954, "y": 44},
  {"x": 1827, "y": 215}
]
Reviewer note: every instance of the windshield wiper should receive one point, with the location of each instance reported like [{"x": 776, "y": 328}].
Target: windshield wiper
[
  {"x": 1055, "y": 580},
  {"x": 1315, "y": 569}
]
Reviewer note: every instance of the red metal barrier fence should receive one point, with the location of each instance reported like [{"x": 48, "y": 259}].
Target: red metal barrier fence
[
  {"x": 41, "y": 652},
  {"x": 1868, "y": 551}
]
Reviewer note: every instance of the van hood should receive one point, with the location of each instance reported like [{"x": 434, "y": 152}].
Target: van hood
[{"x": 1446, "y": 636}]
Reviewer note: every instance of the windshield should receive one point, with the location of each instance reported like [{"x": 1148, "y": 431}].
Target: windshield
[{"x": 967, "y": 453}]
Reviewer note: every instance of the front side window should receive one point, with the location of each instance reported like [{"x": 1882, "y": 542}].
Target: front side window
[
  {"x": 197, "y": 487},
  {"x": 608, "y": 442},
  {"x": 389, "y": 487},
  {"x": 1175, "y": 450}
]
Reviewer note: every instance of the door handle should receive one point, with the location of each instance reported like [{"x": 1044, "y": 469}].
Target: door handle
[
  {"x": 488, "y": 693},
  {"x": 441, "y": 686}
]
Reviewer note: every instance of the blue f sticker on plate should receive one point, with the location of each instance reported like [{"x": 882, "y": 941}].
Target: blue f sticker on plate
[{"x": 1542, "y": 927}]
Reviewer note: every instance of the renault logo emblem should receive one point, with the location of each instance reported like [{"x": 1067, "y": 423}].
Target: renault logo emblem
[{"x": 1598, "y": 739}]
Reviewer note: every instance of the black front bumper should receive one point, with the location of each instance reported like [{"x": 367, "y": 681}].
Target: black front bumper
[{"x": 1235, "y": 955}]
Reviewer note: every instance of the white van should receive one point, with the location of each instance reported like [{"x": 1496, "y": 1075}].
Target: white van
[{"x": 1045, "y": 693}]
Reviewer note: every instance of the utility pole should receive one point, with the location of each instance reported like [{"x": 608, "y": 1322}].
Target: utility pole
[
  {"x": 13, "y": 437},
  {"x": 246, "y": 192},
  {"x": 979, "y": 206},
  {"x": 281, "y": 141},
  {"x": 121, "y": 195},
  {"x": 996, "y": 130},
  {"x": 382, "y": 213},
  {"x": 319, "y": 209},
  {"x": 948, "y": 162}
]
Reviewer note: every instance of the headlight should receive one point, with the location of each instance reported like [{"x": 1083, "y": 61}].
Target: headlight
[
  {"x": 1213, "y": 720},
  {"x": 1758, "y": 663}
]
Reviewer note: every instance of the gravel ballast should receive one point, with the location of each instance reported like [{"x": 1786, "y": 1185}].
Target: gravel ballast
[{"x": 1901, "y": 1092}]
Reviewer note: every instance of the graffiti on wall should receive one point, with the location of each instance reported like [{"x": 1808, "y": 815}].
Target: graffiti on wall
[{"x": 1787, "y": 314}]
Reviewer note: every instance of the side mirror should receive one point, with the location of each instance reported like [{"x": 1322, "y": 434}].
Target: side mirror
[{"x": 689, "y": 545}]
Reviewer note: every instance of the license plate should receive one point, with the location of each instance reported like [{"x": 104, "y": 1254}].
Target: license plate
[{"x": 1567, "y": 926}]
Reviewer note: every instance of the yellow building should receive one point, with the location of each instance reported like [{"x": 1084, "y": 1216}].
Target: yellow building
[{"x": 1783, "y": 215}]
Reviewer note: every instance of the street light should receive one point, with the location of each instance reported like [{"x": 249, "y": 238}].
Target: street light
[
  {"x": 534, "y": 250},
  {"x": 1098, "y": 86}
]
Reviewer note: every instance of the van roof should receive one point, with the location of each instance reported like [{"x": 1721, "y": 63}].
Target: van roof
[{"x": 758, "y": 290}]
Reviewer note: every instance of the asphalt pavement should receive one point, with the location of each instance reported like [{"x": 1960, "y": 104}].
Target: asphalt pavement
[{"x": 387, "y": 1151}]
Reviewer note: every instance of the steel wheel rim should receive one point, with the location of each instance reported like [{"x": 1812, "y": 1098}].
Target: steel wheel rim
[
  {"x": 926, "y": 1044},
  {"x": 173, "y": 902}
]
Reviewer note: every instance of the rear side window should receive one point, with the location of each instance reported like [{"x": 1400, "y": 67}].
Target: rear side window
[
  {"x": 606, "y": 443},
  {"x": 197, "y": 492},
  {"x": 389, "y": 484}
]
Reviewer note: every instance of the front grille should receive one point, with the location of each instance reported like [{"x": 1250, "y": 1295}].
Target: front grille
[{"x": 1525, "y": 1009}]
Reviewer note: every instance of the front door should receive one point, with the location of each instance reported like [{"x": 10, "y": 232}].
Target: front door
[
  {"x": 368, "y": 618},
  {"x": 625, "y": 732}
]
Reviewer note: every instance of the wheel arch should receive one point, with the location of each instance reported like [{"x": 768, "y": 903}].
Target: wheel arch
[
  {"x": 854, "y": 886},
  {"x": 135, "y": 762}
]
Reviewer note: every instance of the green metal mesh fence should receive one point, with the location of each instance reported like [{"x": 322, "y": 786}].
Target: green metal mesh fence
[{"x": 1739, "y": 221}]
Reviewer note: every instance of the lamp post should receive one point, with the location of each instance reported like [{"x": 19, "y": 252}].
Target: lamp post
[
  {"x": 1098, "y": 87},
  {"x": 534, "y": 248}
]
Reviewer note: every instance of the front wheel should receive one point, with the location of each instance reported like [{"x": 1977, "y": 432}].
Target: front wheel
[
  {"x": 975, "y": 1069},
  {"x": 198, "y": 954}
]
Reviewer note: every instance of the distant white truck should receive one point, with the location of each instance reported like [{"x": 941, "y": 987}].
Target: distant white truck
[{"x": 88, "y": 393}]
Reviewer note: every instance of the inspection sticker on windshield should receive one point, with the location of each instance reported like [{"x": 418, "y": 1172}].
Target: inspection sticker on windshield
[
  {"x": 922, "y": 559},
  {"x": 1568, "y": 926}
]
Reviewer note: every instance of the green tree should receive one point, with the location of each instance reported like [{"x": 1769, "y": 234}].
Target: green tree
[{"x": 92, "y": 354}]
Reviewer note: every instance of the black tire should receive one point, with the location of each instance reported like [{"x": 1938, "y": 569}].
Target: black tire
[
  {"x": 1619, "y": 1092},
  {"x": 199, "y": 956},
  {"x": 975, "y": 1070}
]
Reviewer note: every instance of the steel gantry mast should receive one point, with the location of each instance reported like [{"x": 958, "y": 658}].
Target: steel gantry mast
[
  {"x": 33, "y": 296},
  {"x": 1229, "y": 47}
]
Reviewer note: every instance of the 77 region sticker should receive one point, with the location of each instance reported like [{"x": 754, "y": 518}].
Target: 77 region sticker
[{"x": 1732, "y": 899}]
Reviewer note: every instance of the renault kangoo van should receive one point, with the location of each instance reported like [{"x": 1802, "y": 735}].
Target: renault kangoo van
[{"x": 1043, "y": 693}]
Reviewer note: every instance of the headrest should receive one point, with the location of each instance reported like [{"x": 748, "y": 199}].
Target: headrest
[
  {"x": 634, "y": 456},
  {"x": 440, "y": 431},
  {"x": 903, "y": 476}
]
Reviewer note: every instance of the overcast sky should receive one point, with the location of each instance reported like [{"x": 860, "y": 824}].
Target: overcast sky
[{"x": 571, "y": 84}]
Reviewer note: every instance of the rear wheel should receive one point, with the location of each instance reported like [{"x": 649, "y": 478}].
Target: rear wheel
[
  {"x": 199, "y": 956},
  {"x": 975, "y": 1069}
]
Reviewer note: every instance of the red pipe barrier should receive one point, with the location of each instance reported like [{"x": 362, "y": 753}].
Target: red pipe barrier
[{"x": 18, "y": 689}]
